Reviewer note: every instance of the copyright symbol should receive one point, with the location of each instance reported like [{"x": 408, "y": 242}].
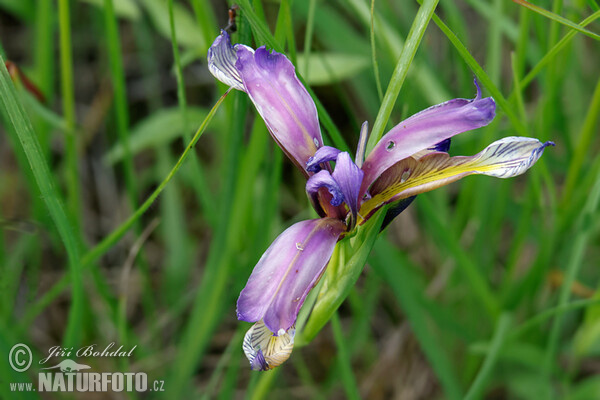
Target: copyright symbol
[{"x": 20, "y": 357}]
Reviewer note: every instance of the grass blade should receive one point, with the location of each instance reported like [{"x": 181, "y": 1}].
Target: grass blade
[{"x": 14, "y": 114}]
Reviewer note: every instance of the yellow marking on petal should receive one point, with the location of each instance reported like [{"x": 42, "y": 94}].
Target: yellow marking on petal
[
  {"x": 274, "y": 349},
  {"x": 504, "y": 158}
]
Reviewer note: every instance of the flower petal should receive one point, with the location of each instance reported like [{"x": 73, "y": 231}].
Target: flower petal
[
  {"x": 287, "y": 271},
  {"x": 222, "y": 57},
  {"x": 424, "y": 130},
  {"x": 286, "y": 107},
  {"x": 504, "y": 158},
  {"x": 323, "y": 179},
  {"x": 349, "y": 177},
  {"x": 324, "y": 154},
  {"x": 266, "y": 351}
]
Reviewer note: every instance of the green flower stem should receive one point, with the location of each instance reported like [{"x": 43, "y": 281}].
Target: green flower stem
[
  {"x": 411, "y": 46},
  {"x": 110, "y": 240},
  {"x": 341, "y": 275}
]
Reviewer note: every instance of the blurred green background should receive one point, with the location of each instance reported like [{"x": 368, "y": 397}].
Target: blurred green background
[{"x": 484, "y": 289}]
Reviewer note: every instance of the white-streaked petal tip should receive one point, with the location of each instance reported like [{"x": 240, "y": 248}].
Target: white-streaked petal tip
[{"x": 266, "y": 351}]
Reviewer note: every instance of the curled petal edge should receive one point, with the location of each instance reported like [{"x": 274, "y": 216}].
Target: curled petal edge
[{"x": 504, "y": 158}]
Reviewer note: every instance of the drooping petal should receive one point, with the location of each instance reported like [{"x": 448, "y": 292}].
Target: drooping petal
[
  {"x": 266, "y": 351},
  {"x": 323, "y": 179},
  {"x": 289, "y": 112},
  {"x": 424, "y": 130},
  {"x": 324, "y": 154},
  {"x": 287, "y": 271},
  {"x": 504, "y": 158},
  {"x": 349, "y": 177},
  {"x": 222, "y": 56}
]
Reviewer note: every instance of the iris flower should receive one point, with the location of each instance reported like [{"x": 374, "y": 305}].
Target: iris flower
[{"x": 408, "y": 160}]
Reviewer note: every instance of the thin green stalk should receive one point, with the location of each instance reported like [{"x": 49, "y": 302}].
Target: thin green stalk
[
  {"x": 349, "y": 382},
  {"x": 549, "y": 56},
  {"x": 199, "y": 183},
  {"x": 557, "y": 18},
  {"x": 517, "y": 87},
  {"x": 225, "y": 359},
  {"x": 263, "y": 382},
  {"x": 523, "y": 41},
  {"x": 466, "y": 265},
  {"x": 478, "y": 385},
  {"x": 73, "y": 328},
  {"x": 207, "y": 307},
  {"x": 396, "y": 270},
  {"x": 494, "y": 44},
  {"x": 178, "y": 72},
  {"x": 549, "y": 313},
  {"x": 205, "y": 18},
  {"x": 415, "y": 35},
  {"x": 574, "y": 264},
  {"x": 13, "y": 110},
  {"x": 118, "y": 80},
  {"x": 588, "y": 133},
  {"x": 374, "y": 53},
  {"x": 308, "y": 34},
  {"x": 109, "y": 241},
  {"x": 482, "y": 76},
  {"x": 44, "y": 63},
  {"x": 68, "y": 103}
]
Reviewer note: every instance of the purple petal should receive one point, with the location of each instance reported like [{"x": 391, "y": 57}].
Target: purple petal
[
  {"x": 287, "y": 271},
  {"x": 442, "y": 146},
  {"x": 222, "y": 57},
  {"x": 349, "y": 177},
  {"x": 324, "y": 154},
  {"x": 424, "y": 130},
  {"x": 504, "y": 158},
  {"x": 324, "y": 179},
  {"x": 286, "y": 107}
]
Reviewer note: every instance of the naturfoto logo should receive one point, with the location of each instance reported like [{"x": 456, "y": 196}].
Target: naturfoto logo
[{"x": 69, "y": 375}]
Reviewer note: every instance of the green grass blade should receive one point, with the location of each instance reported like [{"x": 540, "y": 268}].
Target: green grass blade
[
  {"x": 118, "y": 80},
  {"x": 482, "y": 76},
  {"x": 551, "y": 54},
  {"x": 588, "y": 133},
  {"x": 348, "y": 380},
  {"x": 68, "y": 103},
  {"x": 13, "y": 111},
  {"x": 557, "y": 18},
  {"x": 409, "y": 50},
  {"x": 395, "y": 270},
  {"x": 109, "y": 241},
  {"x": 502, "y": 330}
]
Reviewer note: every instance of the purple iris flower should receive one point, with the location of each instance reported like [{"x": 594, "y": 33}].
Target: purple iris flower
[{"x": 408, "y": 160}]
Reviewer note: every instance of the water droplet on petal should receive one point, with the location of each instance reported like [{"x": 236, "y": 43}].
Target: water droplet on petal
[
  {"x": 390, "y": 145},
  {"x": 299, "y": 246},
  {"x": 405, "y": 176},
  {"x": 316, "y": 142}
]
